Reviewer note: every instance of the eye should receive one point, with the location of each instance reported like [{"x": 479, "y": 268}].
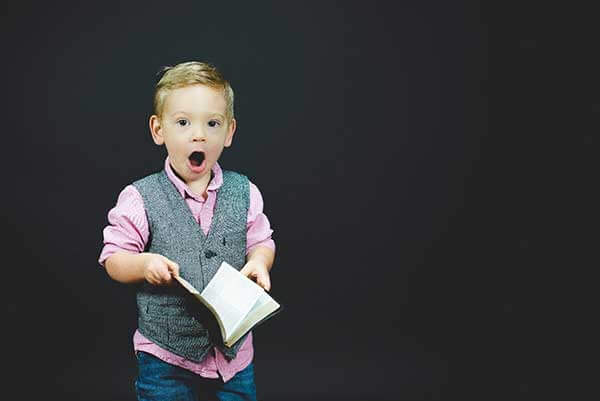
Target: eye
[
  {"x": 214, "y": 123},
  {"x": 182, "y": 122}
]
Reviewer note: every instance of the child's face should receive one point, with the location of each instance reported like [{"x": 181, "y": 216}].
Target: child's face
[{"x": 194, "y": 128}]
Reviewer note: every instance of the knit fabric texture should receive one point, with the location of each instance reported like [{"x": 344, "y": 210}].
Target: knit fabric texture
[{"x": 169, "y": 315}]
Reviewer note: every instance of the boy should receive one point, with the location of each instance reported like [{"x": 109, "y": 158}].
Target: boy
[{"x": 186, "y": 220}]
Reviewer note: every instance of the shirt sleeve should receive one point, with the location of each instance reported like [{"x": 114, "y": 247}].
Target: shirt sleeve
[
  {"x": 259, "y": 230},
  {"x": 127, "y": 228}
]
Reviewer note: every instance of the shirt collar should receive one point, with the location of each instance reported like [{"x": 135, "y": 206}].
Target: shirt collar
[{"x": 183, "y": 189}]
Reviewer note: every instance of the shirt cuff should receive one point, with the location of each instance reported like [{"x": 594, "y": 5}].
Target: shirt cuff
[{"x": 269, "y": 243}]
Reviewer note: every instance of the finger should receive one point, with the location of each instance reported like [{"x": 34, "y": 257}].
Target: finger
[
  {"x": 264, "y": 281},
  {"x": 155, "y": 278},
  {"x": 172, "y": 267},
  {"x": 166, "y": 277},
  {"x": 160, "y": 275},
  {"x": 246, "y": 270}
]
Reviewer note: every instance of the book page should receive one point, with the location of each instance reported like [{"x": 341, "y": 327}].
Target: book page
[
  {"x": 232, "y": 295},
  {"x": 264, "y": 306},
  {"x": 196, "y": 293},
  {"x": 237, "y": 302},
  {"x": 186, "y": 285}
]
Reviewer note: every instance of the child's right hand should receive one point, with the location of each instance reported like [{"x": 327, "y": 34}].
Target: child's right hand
[{"x": 159, "y": 270}]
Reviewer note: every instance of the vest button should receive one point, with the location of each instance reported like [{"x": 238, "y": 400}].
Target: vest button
[{"x": 209, "y": 254}]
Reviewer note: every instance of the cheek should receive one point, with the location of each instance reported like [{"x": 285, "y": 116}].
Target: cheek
[
  {"x": 175, "y": 149},
  {"x": 214, "y": 151}
]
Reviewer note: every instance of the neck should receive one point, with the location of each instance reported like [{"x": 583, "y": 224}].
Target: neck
[{"x": 198, "y": 187}]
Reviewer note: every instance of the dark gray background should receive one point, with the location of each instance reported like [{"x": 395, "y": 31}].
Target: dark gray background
[{"x": 421, "y": 248}]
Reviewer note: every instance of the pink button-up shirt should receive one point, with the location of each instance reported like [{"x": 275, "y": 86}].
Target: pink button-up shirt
[{"x": 128, "y": 231}]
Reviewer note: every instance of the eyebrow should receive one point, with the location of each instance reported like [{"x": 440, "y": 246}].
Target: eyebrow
[{"x": 183, "y": 112}]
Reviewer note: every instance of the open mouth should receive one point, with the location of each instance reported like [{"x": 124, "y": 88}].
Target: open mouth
[{"x": 196, "y": 159}]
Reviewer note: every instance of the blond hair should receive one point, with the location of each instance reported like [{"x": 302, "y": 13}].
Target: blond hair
[{"x": 191, "y": 73}]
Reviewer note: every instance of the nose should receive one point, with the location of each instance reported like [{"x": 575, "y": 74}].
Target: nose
[{"x": 198, "y": 135}]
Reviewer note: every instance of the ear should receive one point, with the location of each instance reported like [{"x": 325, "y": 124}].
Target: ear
[
  {"x": 156, "y": 130},
  {"x": 230, "y": 132}
]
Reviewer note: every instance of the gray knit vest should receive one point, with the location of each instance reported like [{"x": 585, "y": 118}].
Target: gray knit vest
[{"x": 168, "y": 315}]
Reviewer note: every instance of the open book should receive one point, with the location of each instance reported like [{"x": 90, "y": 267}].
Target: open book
[{"x": 237, "y": 302}]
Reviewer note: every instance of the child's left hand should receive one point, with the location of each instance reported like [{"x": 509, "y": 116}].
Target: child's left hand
[{"x": 258, "y": 272}]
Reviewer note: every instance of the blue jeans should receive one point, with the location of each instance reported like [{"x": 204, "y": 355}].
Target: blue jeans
[{"x": 158, "y": 380}]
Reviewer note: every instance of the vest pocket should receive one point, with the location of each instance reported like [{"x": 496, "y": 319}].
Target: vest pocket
[
  {"x": 155, "y": 327},
  {"x": 187, "y": 329}
]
